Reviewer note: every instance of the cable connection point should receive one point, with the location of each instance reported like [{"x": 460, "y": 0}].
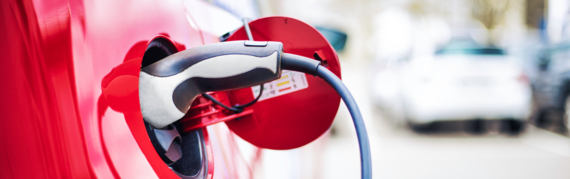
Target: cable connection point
[{"x": 235, "y": 109}]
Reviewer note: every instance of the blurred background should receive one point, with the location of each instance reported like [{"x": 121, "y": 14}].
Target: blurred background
[{"x": 448, "y": 88}]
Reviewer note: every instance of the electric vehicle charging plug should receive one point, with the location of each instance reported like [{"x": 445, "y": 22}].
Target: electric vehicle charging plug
[{"x": 168, "y": 87}]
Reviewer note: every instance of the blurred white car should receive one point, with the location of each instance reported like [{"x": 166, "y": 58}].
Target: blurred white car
[{"x": 461, "y": 81}]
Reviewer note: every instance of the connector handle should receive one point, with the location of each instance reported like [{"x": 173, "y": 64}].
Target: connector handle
[{"x": 168, "y": 87}]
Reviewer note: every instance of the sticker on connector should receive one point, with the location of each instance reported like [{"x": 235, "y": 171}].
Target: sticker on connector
[{"x": 289, "y": 82}]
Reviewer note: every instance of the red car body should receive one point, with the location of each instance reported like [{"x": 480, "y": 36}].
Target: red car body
[
  {"x": 55, "y": 56},
  {"x": 65, "y": 61}
]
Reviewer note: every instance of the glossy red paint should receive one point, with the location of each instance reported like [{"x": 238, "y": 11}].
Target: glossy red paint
[
  {"x": 56, "y": 121},
  {"x": 40, "y": 124}
]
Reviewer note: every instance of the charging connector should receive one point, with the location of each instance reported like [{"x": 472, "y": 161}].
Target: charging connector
[{"x": 168, "y": 87}]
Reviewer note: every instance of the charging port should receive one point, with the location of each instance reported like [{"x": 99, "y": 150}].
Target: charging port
[{"x": 183, "y": 152}]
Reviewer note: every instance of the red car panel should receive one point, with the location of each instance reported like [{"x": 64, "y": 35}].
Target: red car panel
[
  {"x": 56, "y": 54},
  {"x": 70, "y": 88}
]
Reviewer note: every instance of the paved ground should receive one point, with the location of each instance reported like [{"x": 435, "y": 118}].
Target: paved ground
[{"x": 402, "y": 154}]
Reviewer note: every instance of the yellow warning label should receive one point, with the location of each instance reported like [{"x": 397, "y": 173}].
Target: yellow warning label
[{"x": 283, "y": 83}]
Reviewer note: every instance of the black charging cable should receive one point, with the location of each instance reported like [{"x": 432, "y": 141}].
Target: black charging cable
[
  {"x": 310, "y": 66},
  {"x": 237, "y": 108}
]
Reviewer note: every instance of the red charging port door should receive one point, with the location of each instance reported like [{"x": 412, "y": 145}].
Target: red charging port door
[{"x": 298, "y": 108}]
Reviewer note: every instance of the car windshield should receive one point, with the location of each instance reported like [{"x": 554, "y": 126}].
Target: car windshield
[
  {"x": 470, "y": 51},
  {"x": 468, "y": 47}
]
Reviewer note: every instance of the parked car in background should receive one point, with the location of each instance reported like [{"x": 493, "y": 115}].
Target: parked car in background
[
  {"x": 335, "y": 37},
  {"x": 461, "y": 81},
  {"x": 551, "y": 88}
]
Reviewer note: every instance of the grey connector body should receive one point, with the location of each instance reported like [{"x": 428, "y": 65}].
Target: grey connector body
[{"x": 168, "y": 87}]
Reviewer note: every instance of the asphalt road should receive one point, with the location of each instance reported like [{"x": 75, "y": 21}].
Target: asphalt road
[{"x": 403, "y": 154}]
